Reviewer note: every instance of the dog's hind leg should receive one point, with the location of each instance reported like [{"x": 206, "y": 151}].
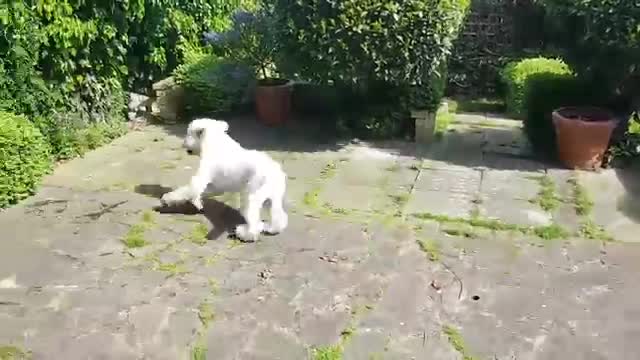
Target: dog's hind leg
[
  {"x": 279, "y": 218},
  {"x": 254, "y": 226}
]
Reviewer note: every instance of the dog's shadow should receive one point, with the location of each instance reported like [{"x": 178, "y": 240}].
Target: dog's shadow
[{"x": 222, "y": 217}]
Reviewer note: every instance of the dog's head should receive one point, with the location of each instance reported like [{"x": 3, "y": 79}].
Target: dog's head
[{"x": 198, "y": 129}]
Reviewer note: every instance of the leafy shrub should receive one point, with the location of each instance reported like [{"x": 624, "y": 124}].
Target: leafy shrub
[
  {"x": 399, "y": 42},
  {"x": 162, "y": 28},
  {"x": 69, "y": 136},
  {"x": 517, "y": 74},
  {"x": 75, "y": 45},
  {"x": 251, "y": 41},
  {"x": 373, "y": 49},
  {"x": 22, "y": 88},
  {"x": 213, "y": 84},
  {"x": 24, "y": 158}
]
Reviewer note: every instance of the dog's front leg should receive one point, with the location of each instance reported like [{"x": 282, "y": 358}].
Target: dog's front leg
[
  {"x": 176, "y": 196},
  {"x": 198, "y": 186}
]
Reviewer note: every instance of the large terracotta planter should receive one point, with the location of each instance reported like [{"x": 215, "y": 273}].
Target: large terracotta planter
[
  {"x": 273, "y": 101},
  {"x": 582, "y": 135}
]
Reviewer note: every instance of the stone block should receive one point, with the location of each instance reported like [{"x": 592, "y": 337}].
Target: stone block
[
  {"x": 425, "y": 126},
  {"x": 168, "y": 102}
]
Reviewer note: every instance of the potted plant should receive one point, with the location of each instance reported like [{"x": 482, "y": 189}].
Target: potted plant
[
  {"x": 252, "y": 41},
  {"x": 582, "y": 135}
]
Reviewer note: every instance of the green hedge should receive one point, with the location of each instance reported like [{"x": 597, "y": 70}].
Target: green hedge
[
  {"x": 599, "y": 39},
  {"x": 386, "y": 52},
  {"x": 516, "y": 77},
  {"x": 24, "y": 158}
]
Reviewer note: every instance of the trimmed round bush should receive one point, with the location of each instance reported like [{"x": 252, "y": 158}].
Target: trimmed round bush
[
  {"x": 516, "y": 74},
  {"x": 24, "y": 158}
]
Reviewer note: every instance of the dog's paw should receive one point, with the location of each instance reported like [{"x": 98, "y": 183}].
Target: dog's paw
[
  {"x": 166, "y": 200},
  {"x": 242, "y": 232},
  {"x": 197, "y": 203},
  {"x": 271, "y": 229}
]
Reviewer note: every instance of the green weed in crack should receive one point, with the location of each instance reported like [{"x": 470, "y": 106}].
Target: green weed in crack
[
  {"x": 311, "y": 198},
  {"x": 328, "y": 171},
  {"x": 335, "y": 352},
  {"x": 490, "y": 224},
  {"x": 592, "y": 231},
  {"x": 547, "y": 198},
  {"x": 457, "y": 342},
  {"x": 198, "y": 234},
  {"x": 546, "y": 232},
  {"x": 550, "y": 232},
  {"x": 135, "y": 237},
  {"x": 460, "y": 232},
  {"x": 431, "y": 248},
  {"x": 199, "y": 351},
  {"x": 172, "y": 269},
  {"x": 12, "y": 352},
  {"x": 206, "y": 314},
  {"x": 581, "y": 200}
]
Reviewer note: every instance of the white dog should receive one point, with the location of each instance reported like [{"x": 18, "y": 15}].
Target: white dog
[{"x": 228, "y": 167}]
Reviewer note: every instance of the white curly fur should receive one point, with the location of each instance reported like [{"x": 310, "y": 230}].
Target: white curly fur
[{"x": 228, "y": 167}]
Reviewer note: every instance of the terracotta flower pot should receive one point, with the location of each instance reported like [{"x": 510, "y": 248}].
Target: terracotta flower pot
[
  {"x": 273, "y": 101},
  {"x": 582, "y": 135}
]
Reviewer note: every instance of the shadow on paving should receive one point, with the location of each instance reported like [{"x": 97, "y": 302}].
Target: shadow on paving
[
  {"x": 629, "y": 203},
  {"x": 297, "y": 136},
  {"x": 223, "y": 218},
  {"x": 491, "y": 147}
]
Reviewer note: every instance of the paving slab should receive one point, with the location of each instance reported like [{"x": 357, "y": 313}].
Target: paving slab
[
  {"x": 463, "y": 182},
  {"x": 615, "y": 193},
  {"x": 513, "y": 211},
  {"x": 509, "y": 184},
  {"x": 455, "y": 205}
]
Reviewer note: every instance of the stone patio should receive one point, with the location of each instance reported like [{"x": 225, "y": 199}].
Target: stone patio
[{"x": 466, "y": 249}]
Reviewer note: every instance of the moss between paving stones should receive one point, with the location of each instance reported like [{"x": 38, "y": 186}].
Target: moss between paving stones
[
  {"x": 206, "y": 314},
  {"x": 547, "y": 232},
  {"x": 431, "y": 248},
  {"x": 335, "y": 352},
  {"x": 583, "y": 206},
  {"x": 135, "y": 237},
  {"x": 581, "y": 200},
  {"x": 11, "y": 352},
  {"x": 458, "y": 343},
  {"x": 547, "y": 198},
  {"x": 198, "y": 234}
]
